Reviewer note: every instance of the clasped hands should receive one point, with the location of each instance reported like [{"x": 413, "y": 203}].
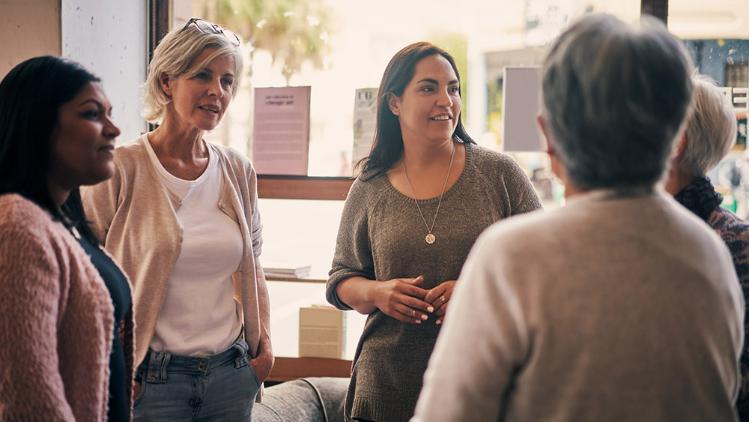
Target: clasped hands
[{"x": 406, "y": 300}]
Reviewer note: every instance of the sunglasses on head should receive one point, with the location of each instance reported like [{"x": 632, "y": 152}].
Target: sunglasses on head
[{"x": 211, "y": 28}]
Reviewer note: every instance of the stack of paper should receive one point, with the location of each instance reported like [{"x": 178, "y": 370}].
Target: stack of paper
[
  {"x": 294, "y": 272},
  {"x": 322, "y": 332}
]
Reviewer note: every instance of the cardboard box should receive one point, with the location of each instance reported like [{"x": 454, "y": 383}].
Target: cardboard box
[{"x": 322, "y": 332}]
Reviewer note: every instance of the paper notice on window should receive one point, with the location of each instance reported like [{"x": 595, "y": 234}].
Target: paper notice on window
[
  {"x": 281, "y": 135},
  {"x": 365, "y": 121}
]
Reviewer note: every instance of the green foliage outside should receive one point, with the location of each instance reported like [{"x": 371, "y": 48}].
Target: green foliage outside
[{"x": 292, "y": 31}]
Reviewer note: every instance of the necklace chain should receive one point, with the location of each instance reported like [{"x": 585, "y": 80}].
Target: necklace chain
[{"x": 430, "y": 236}]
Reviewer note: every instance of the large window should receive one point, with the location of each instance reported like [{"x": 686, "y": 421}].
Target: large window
[
  {"x": 351, "y": 43},
  {"x": 348, "y": 44}
]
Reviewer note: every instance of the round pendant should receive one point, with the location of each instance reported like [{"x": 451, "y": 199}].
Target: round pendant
[{"x": 429, "y": 238}]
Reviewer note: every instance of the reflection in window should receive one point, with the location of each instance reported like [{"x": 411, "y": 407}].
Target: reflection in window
[
  {"x": 724, "y": 60},
  {"x": 716, "y": 34},
  {"x": 737, "y": 74}
]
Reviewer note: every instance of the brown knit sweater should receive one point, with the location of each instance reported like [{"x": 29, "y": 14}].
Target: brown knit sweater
[
  {"x": 381, "y": 237},
  {"x": 56, "y": 321}
]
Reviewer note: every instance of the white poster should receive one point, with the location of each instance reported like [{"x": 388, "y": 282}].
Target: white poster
[
  {"x": 281, "y": 134},
  {"x": 365, "y": 121},
  {"x": 522, "y": 103}
]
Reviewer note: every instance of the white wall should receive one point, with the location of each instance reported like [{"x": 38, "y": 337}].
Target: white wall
[
  {"x": 28, "y": 28},
  {"x": 109, "y": 37}
]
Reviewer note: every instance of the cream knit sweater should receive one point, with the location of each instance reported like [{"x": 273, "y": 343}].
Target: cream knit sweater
[
  {"x": 608, "y": 309},
  {"x": 56, "y": 321}
]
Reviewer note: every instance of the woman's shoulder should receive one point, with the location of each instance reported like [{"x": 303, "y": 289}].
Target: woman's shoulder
[
  {"x": 233, "y": 157},
  {"x": 21, "y": 217},
  {"x": 36, "y": 247},
  {"x": 492, "y": 165},
  {"x": 500, "y": 172},
  {"x": 487, "y": 159},
  {"x": 366, "y": 184},
  {"x": 131, "y": 152},
  {"x": 731, "y": 228},
  {"x": 14, "y": 208}
]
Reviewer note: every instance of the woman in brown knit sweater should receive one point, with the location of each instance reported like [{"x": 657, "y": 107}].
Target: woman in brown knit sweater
[
  {"x": 426, "y": 193},
  {"x": 65, "y": 313}
]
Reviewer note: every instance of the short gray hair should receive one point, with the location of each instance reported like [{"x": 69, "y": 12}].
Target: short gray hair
[
  {"x": 711, "y": 130},
  {"x": 614, "y": 98},
  {"x": 176, "y": 55}
]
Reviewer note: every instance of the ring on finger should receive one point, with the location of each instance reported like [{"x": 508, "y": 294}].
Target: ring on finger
[
  {"x": 443, "y": 298},
  {"x": 413, "y": 312}
]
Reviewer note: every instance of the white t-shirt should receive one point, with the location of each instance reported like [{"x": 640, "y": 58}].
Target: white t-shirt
[{"x": 199, "y": 316}]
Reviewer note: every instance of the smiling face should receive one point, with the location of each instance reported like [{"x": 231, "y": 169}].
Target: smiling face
[
  {"x": 429, "y": 107},
  {"x": 200, "y": 96},
  {"x": 83, "y": 140}
]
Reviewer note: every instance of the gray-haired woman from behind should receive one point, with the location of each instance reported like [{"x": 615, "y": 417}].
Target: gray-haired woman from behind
[
  {"x": 711, "y": 131},
  {"x": 620, "y": 306}
]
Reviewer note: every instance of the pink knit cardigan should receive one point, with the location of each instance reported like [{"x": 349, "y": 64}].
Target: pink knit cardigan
[{"x": 56, "y": 321}]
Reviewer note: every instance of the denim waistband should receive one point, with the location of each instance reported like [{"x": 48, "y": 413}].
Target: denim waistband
[{"x": 155, "y": 366}]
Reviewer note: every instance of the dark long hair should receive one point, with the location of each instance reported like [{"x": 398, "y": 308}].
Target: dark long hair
[
  {"x": 387, "y": 147},
  {"x": 30, "y": 98}
]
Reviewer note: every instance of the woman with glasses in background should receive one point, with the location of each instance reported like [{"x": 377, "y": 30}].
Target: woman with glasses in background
[{"x": 180, "y": 215}]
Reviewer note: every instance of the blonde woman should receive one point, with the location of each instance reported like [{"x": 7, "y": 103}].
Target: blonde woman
[{"x": 181, "y": 216}]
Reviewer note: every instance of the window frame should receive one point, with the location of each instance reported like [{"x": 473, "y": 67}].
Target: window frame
[
  {"x": 308, "y": 188},
  {"x": 312, "y": 187}
]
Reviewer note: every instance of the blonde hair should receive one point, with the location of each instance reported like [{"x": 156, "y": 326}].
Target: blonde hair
[
  {"x": 711, "y": 130},
  {"x": 176, "y": 55}
]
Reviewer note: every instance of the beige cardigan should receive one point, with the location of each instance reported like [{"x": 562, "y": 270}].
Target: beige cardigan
[
  {"x": 135, "y": 217},
  {"x": 56, "y": 321}
]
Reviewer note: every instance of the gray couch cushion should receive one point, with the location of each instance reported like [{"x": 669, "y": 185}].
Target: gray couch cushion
[{"x": 305, "y": 399}]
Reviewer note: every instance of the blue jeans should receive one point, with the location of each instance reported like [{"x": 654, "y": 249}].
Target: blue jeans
[{"x": 221, "y": 387}]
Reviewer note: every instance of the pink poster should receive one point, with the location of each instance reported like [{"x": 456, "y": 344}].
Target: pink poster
[{"x": 281, "y": 134}]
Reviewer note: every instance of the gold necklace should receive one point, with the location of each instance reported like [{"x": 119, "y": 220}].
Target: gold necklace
[{"x": 430, "y": 238}]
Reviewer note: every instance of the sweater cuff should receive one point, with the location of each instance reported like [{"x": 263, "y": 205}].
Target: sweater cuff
[{"x": 330, "y": 289}]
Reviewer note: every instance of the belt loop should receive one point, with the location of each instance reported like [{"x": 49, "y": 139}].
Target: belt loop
[
  {"x": 241, "y": 348},
  {"x": 164, "y": 365},
  {"x": 156, "y": 370}
]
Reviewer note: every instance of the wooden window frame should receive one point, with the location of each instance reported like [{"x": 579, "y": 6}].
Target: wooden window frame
[
  {"x": 303, "y": 187},
  {"x": 308, "y": 187}
]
